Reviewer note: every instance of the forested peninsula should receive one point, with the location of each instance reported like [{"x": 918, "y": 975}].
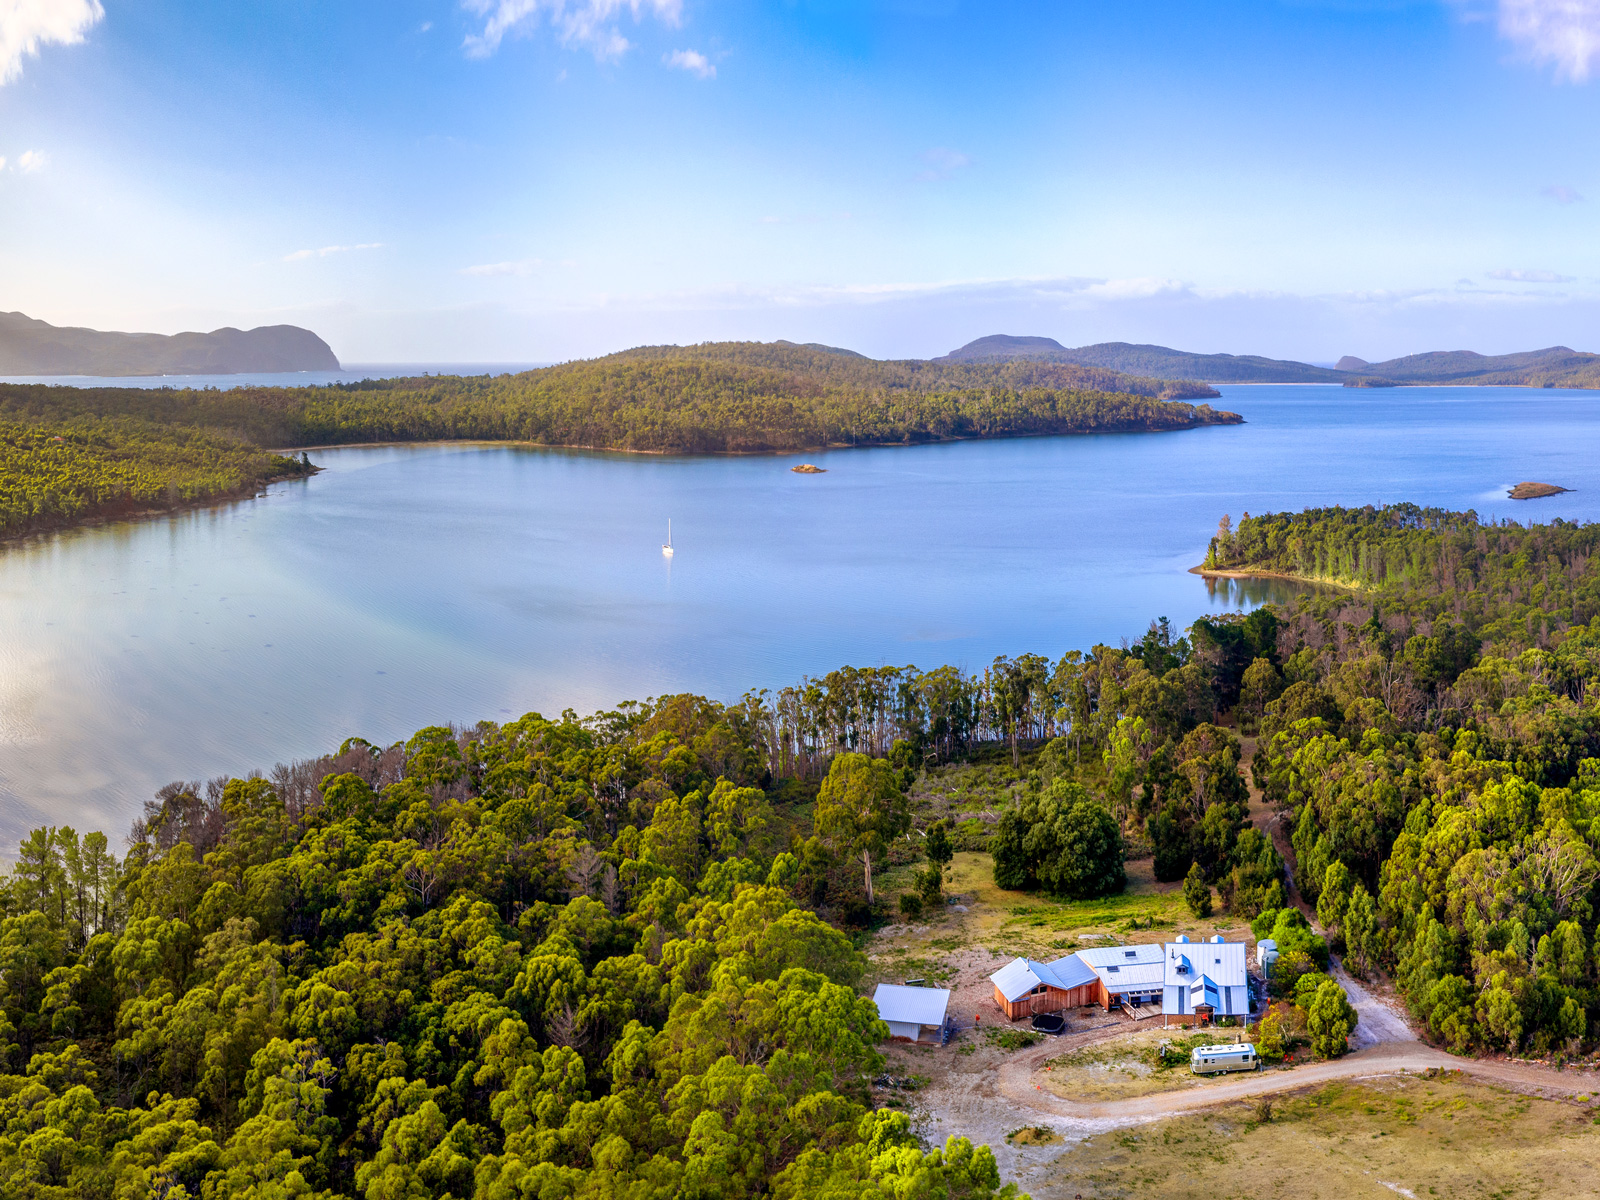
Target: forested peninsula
[
  {"x": 68, "y": 454},
  {"x": 619, "y": 955}
]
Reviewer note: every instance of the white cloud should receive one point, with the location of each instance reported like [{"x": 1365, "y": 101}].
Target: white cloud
[
  {"x": 324, "y": 251},
  {"x": 25, "y": 25},
  {"x": 1562, "y": 194},
  {"x": 525, "y": 266},
  {"x": 586, "y": 23},
  {"x": 1564, "y": 33},
  {"x": 1507, "y": 275},
  {"x": 942, "y": 163},
  {"x": 30, "y": 161},
  {"x": 692, "y": 61}
]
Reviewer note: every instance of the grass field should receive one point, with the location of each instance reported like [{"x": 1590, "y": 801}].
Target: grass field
[
  {"x": 1413, "y": 1137},
  {"x": 1126, "y": 1065}
]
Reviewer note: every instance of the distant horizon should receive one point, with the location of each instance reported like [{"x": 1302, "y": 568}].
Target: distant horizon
[{"x": 1298, "y": 180}]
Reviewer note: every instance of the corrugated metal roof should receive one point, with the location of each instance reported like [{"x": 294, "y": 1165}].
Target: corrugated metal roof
[
  {"x": 1072, "y": 972},
  {"x": 1223, "y": 963},
  {"x": 1020, "y": 976},
  {"x": 1127, "y": 968},
  {"x": 912, "y": 1005}
]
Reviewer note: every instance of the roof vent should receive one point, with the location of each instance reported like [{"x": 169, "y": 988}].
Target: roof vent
[
  {"x": 1183, "y": 938},
  {"x": 1216, "y": 938}
]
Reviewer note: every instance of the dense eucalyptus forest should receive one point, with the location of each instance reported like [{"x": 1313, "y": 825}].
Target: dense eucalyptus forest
[
  {"x": 619, "y": 955},
  {"x": 69, "y": 453}
]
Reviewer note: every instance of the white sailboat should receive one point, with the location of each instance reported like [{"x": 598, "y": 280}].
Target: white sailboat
[{"x": 667, "y": 548}]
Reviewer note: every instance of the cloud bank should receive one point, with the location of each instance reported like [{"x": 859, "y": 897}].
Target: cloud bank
[
  {"x": 324, "y": 251},
  {"x": 692, "y": 61},
  {"x": 1508, "y": 275},
  {"x": 1561, "y": 33},
  {"x": 526, "y": 266},
  {"x": 26, "y": 25},
  {"x": 587, "y": 23}
]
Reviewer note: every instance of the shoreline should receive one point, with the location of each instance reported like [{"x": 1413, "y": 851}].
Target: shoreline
[
  {"x": 808, "y": 449},
  {"x": 253, "y": 491}
]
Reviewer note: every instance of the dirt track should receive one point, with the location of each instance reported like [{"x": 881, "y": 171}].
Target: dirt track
[{"x": 1385, "y": 1059}]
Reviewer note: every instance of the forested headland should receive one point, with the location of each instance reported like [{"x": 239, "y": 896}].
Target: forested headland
[
  {"x": 72, "y": 453},
  {"x": 58, "y": 472},
  {"x": 620, "y": 954}
]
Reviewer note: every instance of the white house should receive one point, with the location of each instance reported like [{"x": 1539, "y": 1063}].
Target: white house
[
  {"x": 1203, "y": 981},
  {"x": 907, "y": 1010}
]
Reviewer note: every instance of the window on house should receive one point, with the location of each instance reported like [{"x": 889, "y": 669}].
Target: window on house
[{"x": 1113, "y": 967}]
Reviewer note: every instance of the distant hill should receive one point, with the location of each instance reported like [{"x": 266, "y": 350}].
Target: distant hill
[
  {"x": 1000, "y": 346},
  {"x": 30, "y": 347},
  {"x": 815, "y": 364},
  {"x": 1154, "y": 362},
  {"x": 1556, "y": 366}
]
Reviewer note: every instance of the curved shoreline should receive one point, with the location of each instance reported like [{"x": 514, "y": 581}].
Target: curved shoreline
[{"x": 109, "y": 516}]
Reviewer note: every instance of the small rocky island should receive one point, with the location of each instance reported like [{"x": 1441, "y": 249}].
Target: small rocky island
[
  {"x": 1533, "y": 491},
  {"x": 809, "y": 469}
]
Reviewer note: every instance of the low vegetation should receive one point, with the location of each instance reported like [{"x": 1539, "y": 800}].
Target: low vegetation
[{"x": 1412, "y": 1136}]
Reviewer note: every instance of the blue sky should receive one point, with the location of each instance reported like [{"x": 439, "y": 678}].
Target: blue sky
[{"x": 520, "y": 180}]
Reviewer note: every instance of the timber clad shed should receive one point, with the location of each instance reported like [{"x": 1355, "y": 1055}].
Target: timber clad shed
[
  {"x": 1026, "y": 986},
  {"x": 905, "y": 1010}
]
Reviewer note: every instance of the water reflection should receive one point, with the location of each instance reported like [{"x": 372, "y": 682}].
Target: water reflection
[{"x": 1240, "y": 595}]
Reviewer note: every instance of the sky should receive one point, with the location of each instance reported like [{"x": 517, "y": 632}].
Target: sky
[{"x": 539, "y": 180}]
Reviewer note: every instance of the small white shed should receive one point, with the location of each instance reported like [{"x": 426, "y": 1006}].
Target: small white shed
[{"x": 906, "y": 1010}]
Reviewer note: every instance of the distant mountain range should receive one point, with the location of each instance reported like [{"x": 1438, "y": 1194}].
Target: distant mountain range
[
  {"x": 1555, "y": 367},
  {"x": 30, "y": 347}
]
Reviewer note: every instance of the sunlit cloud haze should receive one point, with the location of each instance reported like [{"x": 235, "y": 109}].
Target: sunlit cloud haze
[{"x": 534, "y": 180}]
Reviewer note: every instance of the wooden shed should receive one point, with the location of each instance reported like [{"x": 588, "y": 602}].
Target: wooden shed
[{"x": 1025, "y": 986}]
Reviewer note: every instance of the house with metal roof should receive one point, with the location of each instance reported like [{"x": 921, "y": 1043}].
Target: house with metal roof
[
  {"x": 907, "y": 1011},
  {"x": 1130, "y": 976},
  {"x": 1025, "y": 986},
  {"x": 1204, "y": 981}
]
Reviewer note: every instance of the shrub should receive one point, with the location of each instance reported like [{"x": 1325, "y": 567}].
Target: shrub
[
  {"x": 910, "y": 904},
  {"x": 1197, "y": 892},
  {"x": 1330, "y": 1020}
]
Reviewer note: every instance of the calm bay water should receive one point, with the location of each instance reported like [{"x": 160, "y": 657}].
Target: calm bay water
[{"x": 415, "y": 585}]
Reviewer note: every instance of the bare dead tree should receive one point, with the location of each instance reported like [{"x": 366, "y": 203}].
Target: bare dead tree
[
  {"x": 564, "y": 1029},
  {"x": 583, "y": 870},
  {"x": 611, "y": 890}
]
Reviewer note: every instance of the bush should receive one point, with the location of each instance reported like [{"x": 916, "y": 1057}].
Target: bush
[
  {"x": 1197, "y": 892},
  {"x": 1061, "y": 841},
  {"x": 910, "y": 904},
  {"x": 1330, "y": 1020},
  {"x": 929, "y": 883},
  {"x": 1012, "y": 1039},
  {"x": 1270, "y": 1038}
]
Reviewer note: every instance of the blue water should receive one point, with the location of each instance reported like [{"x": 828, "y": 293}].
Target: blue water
[
  {"x": 411, "y": 585},
  {"x": 348, "y": 373}
]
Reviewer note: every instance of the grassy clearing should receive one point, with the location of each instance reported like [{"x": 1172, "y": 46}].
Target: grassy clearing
[
  {"x": 1011, "y": 923},
  {"x": 1129, "y": 1065},
  {"x": 1414, "y": 1137}
]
